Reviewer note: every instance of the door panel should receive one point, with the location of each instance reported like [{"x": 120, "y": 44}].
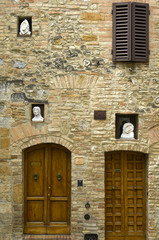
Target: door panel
[
  {"x": 125, "y": 196},
  {"x": 114, "y": 192},
  {"x": 35, "y": 197},
  {"x": 36, "y": 165},
  {"x": 59, "y": 202},
  {"x": 58, "y": 173},
  {"x": 47, "y": 190},
  {"x": 33, "y": 213}
]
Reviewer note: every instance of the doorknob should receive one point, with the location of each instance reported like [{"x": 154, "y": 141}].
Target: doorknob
[
  {"x": 59, "y": 177},
  {"x": 113, "y": 188},
  {"x": 35, "y": 176},
  {"x": 48, "y": 194},
  {"x": 135, "y": 188}
]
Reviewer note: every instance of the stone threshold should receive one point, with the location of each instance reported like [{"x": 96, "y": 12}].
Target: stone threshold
[{"x": 46, "y": 237}]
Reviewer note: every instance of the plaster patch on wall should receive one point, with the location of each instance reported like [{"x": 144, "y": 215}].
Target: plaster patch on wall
[
  {"x": 18, "y": 64},
  {"x": 5, "y": 122}
]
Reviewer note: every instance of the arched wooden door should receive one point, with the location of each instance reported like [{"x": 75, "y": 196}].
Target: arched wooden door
[
  {"x": 47, "y": 178},
  {"x": 125, "y": 196}
]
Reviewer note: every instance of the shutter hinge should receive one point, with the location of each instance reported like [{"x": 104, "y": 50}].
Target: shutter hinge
[
  {"x": 112, "y": 11},
  {"x": 112, "y": 51}
]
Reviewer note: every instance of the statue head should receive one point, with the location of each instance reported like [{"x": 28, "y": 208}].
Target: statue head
[
  {"x": 37, "y": 115},
  {"x": 128, "y": 128},
  {"x": 128, "y": 131},
  {"x": 36, "y": 111},
  {"x": 25, "y": 28}
]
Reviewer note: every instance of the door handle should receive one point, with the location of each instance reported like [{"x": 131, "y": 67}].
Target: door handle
[
  {"x": 113, "y": 188},
  {"x": 135, "y": 188},
  {"x": 35, "y": 176},
  {"x": 59, "y": 177},
  {"x": 48, "y": 194}
]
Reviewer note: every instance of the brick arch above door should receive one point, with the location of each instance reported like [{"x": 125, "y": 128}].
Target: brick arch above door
[
  {"x": 154, "y": 134},
  {"x": 75, "y": 81},
  {"x": 134, "y": 146},
  {"x": 22, "y": 143}
]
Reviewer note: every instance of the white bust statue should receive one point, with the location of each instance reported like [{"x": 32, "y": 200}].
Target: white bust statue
[
  {"x": 24, "y": 28},
  {"x": 128, "y": 131},
  {"x": 37, "y": 115}
]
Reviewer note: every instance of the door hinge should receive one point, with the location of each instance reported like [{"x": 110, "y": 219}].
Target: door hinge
[
  {"x": 149, "y": 52},
  {"x": 149, "y": 12},
  {"x": 147, "y": 193},
  {"x": 112, "y": 11},
  {"x": 112, "y": 51}
]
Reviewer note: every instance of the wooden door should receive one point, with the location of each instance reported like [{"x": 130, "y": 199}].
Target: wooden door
[
  {"x": 125, "y": 196},
  {"x": 47, "y": 190}
]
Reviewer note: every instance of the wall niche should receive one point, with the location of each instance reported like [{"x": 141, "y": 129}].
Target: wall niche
[{"x": 126, "y": 126}]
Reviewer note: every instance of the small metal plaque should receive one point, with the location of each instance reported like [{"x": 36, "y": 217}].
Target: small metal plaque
[
  {"x": 117, "y": 170},
  {"x": 35, "y": 164},
  {"x": 99, "y": 115}
]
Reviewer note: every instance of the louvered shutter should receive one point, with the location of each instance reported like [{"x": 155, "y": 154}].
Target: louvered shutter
[
  {"x": 140, "y": 32},
  {"x": 121, "y": 31}
]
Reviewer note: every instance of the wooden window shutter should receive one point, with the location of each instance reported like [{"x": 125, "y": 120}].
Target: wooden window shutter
[
  {"x": 140, "y": 32},
  {"x": 121, "y": 32},
  {"x": 130, "y": 32}
]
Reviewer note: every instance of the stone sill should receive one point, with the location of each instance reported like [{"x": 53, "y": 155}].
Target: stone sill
[
  {"x": 129, "y": 140},
  {"x": 46, "y": 237}
]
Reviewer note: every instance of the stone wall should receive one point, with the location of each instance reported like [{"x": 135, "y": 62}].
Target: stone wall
[{"x": 67, "y": 65}]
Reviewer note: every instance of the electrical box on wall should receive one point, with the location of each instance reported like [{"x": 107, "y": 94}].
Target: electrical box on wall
[{"x": 79, "y": 183}]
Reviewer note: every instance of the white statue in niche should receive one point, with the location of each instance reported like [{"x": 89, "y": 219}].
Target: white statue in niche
[
  {"x": 128, "y": 131},
  {"x": 37, "y": 115},
  {"x": 24, "y": 28}
]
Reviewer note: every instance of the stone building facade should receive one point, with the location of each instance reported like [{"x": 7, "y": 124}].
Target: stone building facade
[{"x": 66, "y": 67}]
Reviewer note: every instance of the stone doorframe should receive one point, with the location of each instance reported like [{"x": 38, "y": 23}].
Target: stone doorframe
[{"x": 17, "y": 165}]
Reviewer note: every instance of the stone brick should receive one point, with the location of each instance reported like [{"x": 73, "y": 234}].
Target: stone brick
[
  {"x": 4, "y": 132},
  {"x": 4, "y": 170},
  {"x": 92, "y": 16},
  {"x": 17, "y": 193},
  {"x": 5, "y": 142},
  {"x": 88, "y": 38}
]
